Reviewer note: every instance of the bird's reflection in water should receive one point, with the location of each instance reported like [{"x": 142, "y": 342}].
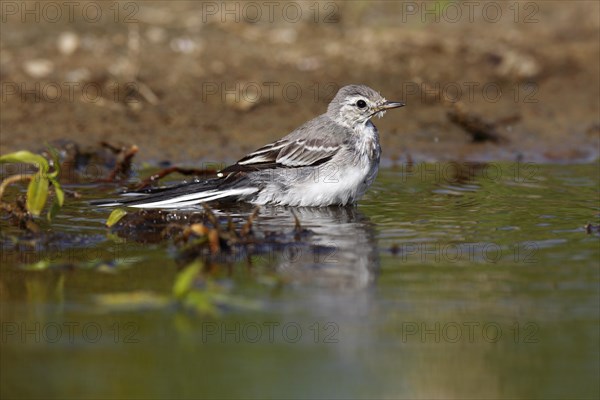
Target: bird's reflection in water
[
  {"x": 327, "y": 246},
  {"x": 333, "y": 246}
]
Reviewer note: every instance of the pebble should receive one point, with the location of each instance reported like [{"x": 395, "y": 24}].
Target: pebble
[
  {"x": 518, "y": 66},
  {"x": 243, "y": 104},
  {"x": 38, "y": 68},
  {"x": 68, "y": 42}
]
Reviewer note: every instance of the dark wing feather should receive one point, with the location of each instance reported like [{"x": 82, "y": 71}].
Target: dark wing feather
[
  {"x": 286, "y": 154},
  {"x": 265, "y": 154},
  {"x": 302, "y": 153}
]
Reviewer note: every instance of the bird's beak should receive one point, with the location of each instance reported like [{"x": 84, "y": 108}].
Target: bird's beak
[
  {"x": 391, "y": 104},
  {"x": 386, "y": 106}
]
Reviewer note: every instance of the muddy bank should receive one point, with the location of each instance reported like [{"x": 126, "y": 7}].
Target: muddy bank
[{"x": 206, "y": 82}]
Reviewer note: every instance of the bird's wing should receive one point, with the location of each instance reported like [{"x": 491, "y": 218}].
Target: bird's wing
[
  {"x": 287, "y": 153},
  {"x": 266, "y": 154},
  {"x": 305, "y": 152}
]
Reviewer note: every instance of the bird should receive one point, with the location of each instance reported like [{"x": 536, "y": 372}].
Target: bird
[{"x": 330, "y": 160}]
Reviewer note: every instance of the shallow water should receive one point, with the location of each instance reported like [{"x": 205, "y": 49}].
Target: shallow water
[{"x": 447, "y": 281}]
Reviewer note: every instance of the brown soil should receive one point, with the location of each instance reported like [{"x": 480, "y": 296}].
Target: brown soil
[{"x": 181, "y": 83}]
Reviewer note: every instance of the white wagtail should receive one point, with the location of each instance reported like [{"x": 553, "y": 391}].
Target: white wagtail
[{"x": 330, "y": 160}]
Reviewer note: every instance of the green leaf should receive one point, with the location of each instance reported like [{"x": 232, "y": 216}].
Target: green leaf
[
  {"x": 185, "y": 279},
  {"x": 27, "y": 157},
  {"x": 54, "y": 209},
  {"x": 37, "y": 193},
  {"x": 60, "y": 194},
  {"x": 58, "y": 201},
  {"x": 38, "y": 266},
  {"x": 135, "y": 300},
  {"x": 115, "y": 216}
]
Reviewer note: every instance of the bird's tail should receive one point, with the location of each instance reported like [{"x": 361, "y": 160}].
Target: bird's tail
[{"x": 179, "y": 196}]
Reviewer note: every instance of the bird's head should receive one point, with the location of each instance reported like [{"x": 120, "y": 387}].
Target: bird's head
[{"x": 355, "y": 104}]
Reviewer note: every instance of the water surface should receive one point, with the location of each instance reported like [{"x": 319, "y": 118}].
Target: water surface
[{"x": 447, "y": 281}]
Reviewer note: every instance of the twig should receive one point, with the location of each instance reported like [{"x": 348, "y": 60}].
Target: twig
[
  {"x": 247, "y": 228},
  {"x": 479, "y": 129},
  {"x": 114, "y": 149},
  {"x": 13, "y": 179},
  {"x": 167, "y": 171},
  {"x": 210, "y": 215},
  {"x": 297, "y": 225},
  {"x": 123, "y": 166},
  {"x": 476, "y": 126}
]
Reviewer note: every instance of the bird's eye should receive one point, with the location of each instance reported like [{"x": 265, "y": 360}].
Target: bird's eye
[{"x": 361, "y": 104}]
